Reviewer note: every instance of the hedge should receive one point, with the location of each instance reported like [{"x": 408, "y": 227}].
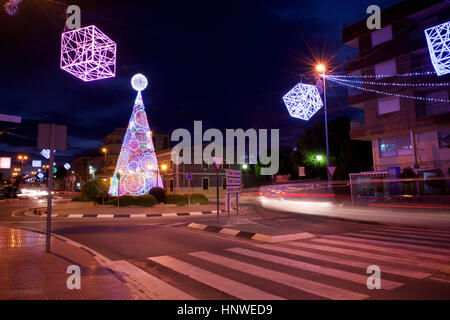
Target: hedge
[
  {"x": 142, "y": 201},
  {"x": 182, "y": 199},
  {"x": 94, "y": 189},
  {"x": 80, "y": 198}
]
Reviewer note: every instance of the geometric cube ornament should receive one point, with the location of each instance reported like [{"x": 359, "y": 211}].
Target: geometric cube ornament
[
  {"x": 88, "y": 54},
  {"x": 438, "y": 39},
  {"x": 303, "y": 101}
]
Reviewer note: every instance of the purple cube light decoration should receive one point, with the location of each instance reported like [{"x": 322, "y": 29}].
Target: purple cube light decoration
[
  {"x": 303, "y": 101},
  {"x": 88, "y": 54}
]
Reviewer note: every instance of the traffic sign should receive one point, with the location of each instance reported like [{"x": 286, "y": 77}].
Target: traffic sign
[
  {"x": 331, "y": 170},
  {"x": 301, "y": 172},
  {"x": 233, "y": 173},
  {"x": 217, "y": 162},
  {"x": 189, "y": 176},
  {"x": 233, "y": 181},
  {"x": 233, "y": 189}
]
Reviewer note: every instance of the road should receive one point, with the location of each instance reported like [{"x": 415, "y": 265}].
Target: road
[{"x": 331, "y": 265}]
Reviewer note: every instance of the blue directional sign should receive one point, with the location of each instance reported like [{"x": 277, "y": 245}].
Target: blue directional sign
[{"x": 189, "y": 176}]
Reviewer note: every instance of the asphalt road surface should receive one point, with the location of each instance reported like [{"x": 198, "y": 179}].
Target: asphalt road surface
[{"x": 414, "y": 262}]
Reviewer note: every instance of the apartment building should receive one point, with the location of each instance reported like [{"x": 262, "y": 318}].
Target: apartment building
[{"x": 404, "y": 132}]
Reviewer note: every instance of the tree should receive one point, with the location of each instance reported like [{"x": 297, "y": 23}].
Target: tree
[{"x": 347, "y": 155}]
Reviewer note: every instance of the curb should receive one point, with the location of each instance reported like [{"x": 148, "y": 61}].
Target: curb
[
  {"x": 252, "y": 235},
  {"x": 135, "y": 215}
]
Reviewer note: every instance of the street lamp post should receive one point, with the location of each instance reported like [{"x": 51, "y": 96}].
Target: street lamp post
[
  {"x": 21, "y": 158},
  {"x": 321, "y": 68},
  {"x": 163, "y": 168},
  {"x": 104, "y": 150}
]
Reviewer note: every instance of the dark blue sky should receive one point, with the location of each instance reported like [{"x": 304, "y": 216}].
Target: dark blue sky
[{"x": 227, "y": 63}]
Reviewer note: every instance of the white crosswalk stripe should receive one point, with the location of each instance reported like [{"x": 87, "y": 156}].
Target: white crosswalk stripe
[
  {"x": 318, "y": 266},
  {"x": 418, "y": 231},
  {"x": 374, "y": 256},
  {"x": 313, "y": 287},
  {"x": 326, "y": 240},
  {"x": 214, "y": 280},
  {"x": 407, "y": 235},
  {"x": 393, "y": 238},
  {"x": 348, "y": 262},
  {"x": 336, "y": 273},
  {"x": 391, "y": 244}
]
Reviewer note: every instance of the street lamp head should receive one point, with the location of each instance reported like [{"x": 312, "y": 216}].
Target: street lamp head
[
  {"x": 319, "y": 157},
  {"x": 104, "y": 150},
  {"x": 245, "y": 166},
  {"x": 320, "y": 67},
  {"x": 19, "y": 157},
  {"x": 164, "y": 167},
  {"x": 25, "y": 157}
]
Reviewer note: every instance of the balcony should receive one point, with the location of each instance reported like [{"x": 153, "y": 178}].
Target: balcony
[{"x": 357, "y": 124}]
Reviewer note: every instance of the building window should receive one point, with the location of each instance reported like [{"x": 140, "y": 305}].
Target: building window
[
  {"x": 385, "y": 69},
  {"x": 381, "y": 35},
  {"x": 205, "y": 166},
  {"x": 171, "y": 164},
  {"x": 395, "y": 146},
  {"x": 387, "y": 147},
  {"x": 444, "y": 138},
  {"x": 433, "y": 107},
  {"x": 224, "y": 183},
  {"x": 388, "y": 105},
  {"x": 205, "y": 183},
  {"x": 171, "y": 184}
]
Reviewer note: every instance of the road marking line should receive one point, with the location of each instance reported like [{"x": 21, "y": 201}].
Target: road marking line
[
  {"x": 375, "y": 256},
  {"x": 446, "y": 231},
  {"x": 168, "y": 214},
  {"x": 154, "y": 287},
  {"x": 309, "y": 286},
  {"x": 105, "y": 216},
  {"x": 198, "y": 213},
  {"x": 75, "y": 215},
  {"x": 231, "y": 232},
  {"x": 406, "y": 236},
  {"x": 439, "y": 279},
  {"x": 391, "y": 244},
  {"x": 429, "y": 232},
  {"x": 138, "y": 215},
  {"x": 331, "y": 272},
  {"x": 348, "y": 262},
  {"x": 379, "y": 248},
  {"x": 395, "y": 239},
  {"x": 214, "y": 280},
  {"x": 197, "y": 226}
]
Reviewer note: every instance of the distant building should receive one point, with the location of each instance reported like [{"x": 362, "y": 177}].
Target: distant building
[{"x": 404, "y": 132}]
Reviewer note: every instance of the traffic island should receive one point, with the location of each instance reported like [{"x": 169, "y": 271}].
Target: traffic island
[{"x": 251, "y": 233}]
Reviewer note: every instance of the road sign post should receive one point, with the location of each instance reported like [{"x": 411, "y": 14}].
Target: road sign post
[
  {"x": 233, "y": 180},
  {"x": 189, "y": 178},
  {"x": 217, "y": 164},
  {"x": 52, "y": 137}
]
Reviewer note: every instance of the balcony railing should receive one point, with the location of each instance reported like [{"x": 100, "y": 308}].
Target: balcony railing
[{"x": 357, "y": 124}]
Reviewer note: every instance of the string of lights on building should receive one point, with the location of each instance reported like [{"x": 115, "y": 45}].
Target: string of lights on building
[
  {"x": 412, "y": 74},
  {"x": 428, "y": 99},
  {"x": 395, "y": 84}
]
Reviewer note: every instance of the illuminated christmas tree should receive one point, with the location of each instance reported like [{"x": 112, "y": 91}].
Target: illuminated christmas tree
[{"x": 137, "y": 167}]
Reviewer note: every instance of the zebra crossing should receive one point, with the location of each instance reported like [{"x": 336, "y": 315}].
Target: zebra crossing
[{"x": 323, "y": 267}]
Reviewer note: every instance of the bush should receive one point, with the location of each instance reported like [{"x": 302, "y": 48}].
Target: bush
[
  {"x": 158, "y": 193},
  {"x": 176, "y": 198},
  {"x": 147, "y": 200},
  {"x": 95, "y": 188},
  {"x": 182, "y": 199},
  {"x": 80, "y": 198},
  {"x": 199, "y": 198}
]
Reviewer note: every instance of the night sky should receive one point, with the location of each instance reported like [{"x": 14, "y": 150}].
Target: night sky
[{"x": 227, "y": 63}]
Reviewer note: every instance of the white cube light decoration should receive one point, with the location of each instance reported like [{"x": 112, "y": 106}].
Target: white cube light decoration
[
  {"x": 88, "y": 54},
  {"x": 438, "y": 40},
  {"x": 303, "y": 101}
]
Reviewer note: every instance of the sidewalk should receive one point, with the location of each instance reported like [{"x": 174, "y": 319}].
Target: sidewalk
[{"x": 28, "y": 272}]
